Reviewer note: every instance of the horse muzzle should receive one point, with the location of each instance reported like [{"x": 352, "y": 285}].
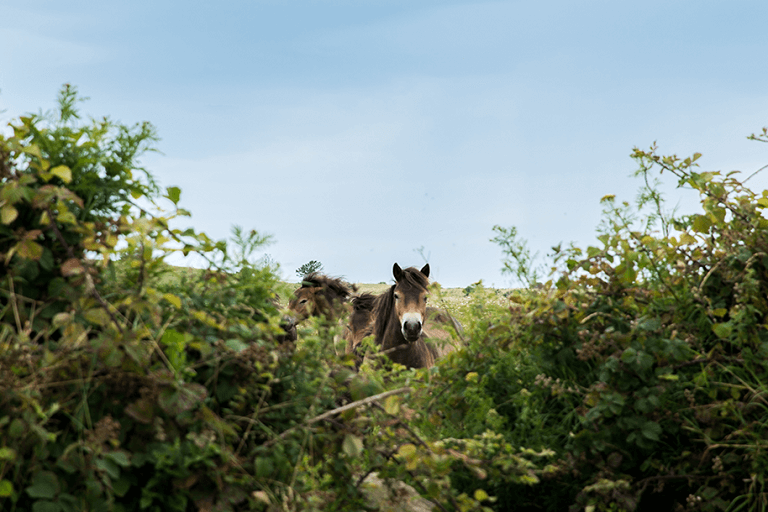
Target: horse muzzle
[{"x": 411, "y": 330}]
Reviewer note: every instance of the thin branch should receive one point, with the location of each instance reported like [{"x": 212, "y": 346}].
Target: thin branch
[
  {"x": 359, "y": 403},
  {"x": 338, "y": 410},
  {"x": 15, "y": 306},
  {"x": 755, "y": 173}
]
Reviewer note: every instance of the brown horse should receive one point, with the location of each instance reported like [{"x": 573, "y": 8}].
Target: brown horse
[
  {"x": 320, "y": 295},
  {"x": 360, "y": 321},
  {"x": 400, "y": 317}
]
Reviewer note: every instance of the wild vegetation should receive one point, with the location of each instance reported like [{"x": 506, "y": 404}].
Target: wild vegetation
[{"x": 631, "y": 376}]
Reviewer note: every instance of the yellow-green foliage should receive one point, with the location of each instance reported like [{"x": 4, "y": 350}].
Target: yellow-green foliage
[
  {"x": 125, "y": 385},
  {"x": 634, "y": 378}
]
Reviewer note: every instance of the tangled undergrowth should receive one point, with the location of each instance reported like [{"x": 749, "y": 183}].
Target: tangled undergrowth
[{"x": 633, "y": 379}]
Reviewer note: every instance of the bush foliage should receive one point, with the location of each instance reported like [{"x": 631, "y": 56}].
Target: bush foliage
[{"x": 632, "y": 379}]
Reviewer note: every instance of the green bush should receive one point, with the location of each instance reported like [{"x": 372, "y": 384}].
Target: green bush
[
  {"x": 632, "y": 380},
  {"x": 641, "y": 366},
  {"x": 128, "y": 384}
]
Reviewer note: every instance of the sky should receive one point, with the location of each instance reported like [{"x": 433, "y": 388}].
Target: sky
[{"x": 362, "y": 133}]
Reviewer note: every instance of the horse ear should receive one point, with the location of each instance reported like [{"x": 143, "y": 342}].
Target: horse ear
[
  {"x": 397, "y": 272},
  {"x": 425, "y": 270}
]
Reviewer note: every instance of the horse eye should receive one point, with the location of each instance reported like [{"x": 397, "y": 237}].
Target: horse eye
[
  {"x": 303, "y": 301},
  {"x": 425, "y": 299},
  {"x": 397, "y": 296}
]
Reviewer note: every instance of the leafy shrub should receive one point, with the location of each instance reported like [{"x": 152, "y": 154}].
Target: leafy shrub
[
  {"x": 641, "y": 365},
  {"x": 127, "y": 384},
  {"x": 632, "y": 380}
]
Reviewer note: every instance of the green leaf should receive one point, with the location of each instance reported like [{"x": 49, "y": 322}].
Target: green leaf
[
  {"x": 481, "y": 495},
  {"x": 7, "y": 453},
  {"x": 34, "y": 150},
  {"x": 45, "y": 506},
  {"x": 63, "y": 172},
  {"x": 121, "y": 486},
  {"x": 701, "y": 224},
  {"x": 69, "y": 503},
  {"x": 723, "y": 330},
  {"x": 112, "y": 469},
  {"x": 628, "y": 355},
  {"x": 29, "y": 250},
  {"x": 8, "y": 214},
  {"x": 97, "y": 316},
  {"x": 651, "y": 430},
  {"x": 236, "y": 345},
  {"x": 174, "y": 194},
  {"x": 650, "y": 324},
  {"x": 120, "y": 458},
  {"x": 352, "y": 445},
  {"x": 44, "y": 485},
  {"x": 18, "y": 428},
  {"x": 6, "y": 489},
  {"x": 392, "y": 405},
  {"x": 174, "y": 300},
  {"x": 645, "y": 360}
]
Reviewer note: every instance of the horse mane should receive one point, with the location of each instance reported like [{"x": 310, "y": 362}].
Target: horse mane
[
  {"x": 363, "y": 302},
  {"x": 385, "y": 303},
  {"x": 333, "y": 287}
]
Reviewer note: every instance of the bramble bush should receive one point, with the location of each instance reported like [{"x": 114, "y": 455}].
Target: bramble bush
[
  {"x": 633, "y": 379},
  {"x": 128, "y": 384},
  {"x": 640, "y": 368}
]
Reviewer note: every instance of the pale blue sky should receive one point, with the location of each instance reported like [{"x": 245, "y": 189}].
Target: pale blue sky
[{"x": 355, "y": 132}]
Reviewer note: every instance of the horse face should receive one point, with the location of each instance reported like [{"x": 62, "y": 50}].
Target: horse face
[
  {"x": 304, "y": 303},
  {"x": 410, "y": 305}
]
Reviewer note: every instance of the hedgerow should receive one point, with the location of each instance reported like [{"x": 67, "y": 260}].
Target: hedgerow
[
  {"x": 127, "y": 385},
  {"x": 640, "y": 367},
  {"x": 633, "y": 379}
]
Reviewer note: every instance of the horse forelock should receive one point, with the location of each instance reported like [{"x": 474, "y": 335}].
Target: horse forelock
[{"x": 413, "y": 277}]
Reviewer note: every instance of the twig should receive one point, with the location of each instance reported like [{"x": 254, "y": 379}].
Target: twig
[
  {"x": 359, "y": 403},
  {"x": 338, "y": 410},
  {"x": 12, "y": 300},
  {"x": 754, "y": 173}
]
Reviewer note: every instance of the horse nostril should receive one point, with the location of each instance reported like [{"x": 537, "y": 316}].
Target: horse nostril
[{"x": 413, "y": 326}]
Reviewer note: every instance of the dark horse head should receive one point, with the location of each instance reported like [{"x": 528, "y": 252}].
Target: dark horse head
[
  {"x": 320, "y": 295},
  {"x": 399, "y": 317},
  {"x": 401, "y": 311},
  {"x": 410, "y": 294}
]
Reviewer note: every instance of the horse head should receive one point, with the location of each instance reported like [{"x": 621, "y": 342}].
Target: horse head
[
  {"x": 410, "y": 296},
  {"x": 319, "y": 295},
  {"x": 304, "y": 303}
]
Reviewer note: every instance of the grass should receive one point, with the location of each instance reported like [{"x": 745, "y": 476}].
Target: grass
[{"x": 462, "y": 303}]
